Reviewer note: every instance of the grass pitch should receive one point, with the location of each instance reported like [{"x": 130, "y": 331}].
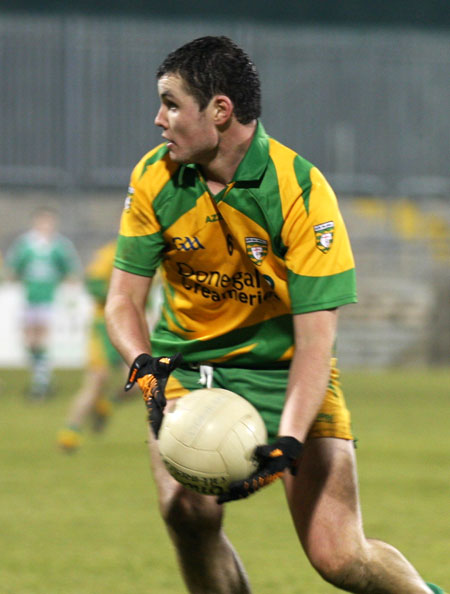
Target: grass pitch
[{"x": 88, "y": 523}]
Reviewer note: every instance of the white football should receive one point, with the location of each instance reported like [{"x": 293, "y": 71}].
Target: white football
[{"x": 209, "y": 438}]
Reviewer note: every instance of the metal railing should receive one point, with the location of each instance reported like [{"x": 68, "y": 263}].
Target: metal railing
[{"x": 78, "y": 99}]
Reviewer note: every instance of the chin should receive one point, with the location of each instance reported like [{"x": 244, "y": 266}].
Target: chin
[
  {"x": 175, "y": 157},
  {"x": 179, "y": 158}
]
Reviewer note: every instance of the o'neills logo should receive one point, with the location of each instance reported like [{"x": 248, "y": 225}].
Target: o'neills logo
[
  {"x": 128, "y": 199},
  {"x": 256, "y": 249},
  {"x": 324, "y": 236}
]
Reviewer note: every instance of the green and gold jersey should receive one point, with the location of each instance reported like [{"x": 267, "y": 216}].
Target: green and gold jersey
[
  {"x": 41, "y": 264},
  {"x": 98, "y": 275},
  {"x": 236, "y": 266}
]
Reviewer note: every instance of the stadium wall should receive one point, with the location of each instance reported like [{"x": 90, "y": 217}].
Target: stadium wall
[{"x": 368, "y": 105}]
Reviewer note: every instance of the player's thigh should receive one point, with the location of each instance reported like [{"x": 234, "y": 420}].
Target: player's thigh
[
  {"x": 181, "y": 508},
  {"x": 180, "y": 382},
  {"x": 166, "y": 485},
  {"x": 323, "y": 498}
]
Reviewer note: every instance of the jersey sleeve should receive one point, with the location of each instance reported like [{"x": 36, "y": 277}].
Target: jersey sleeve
[
  {"x": 319, "y": 259},
  {"x": 14, "y": 259},
  {"x": 98, "y": 272},
  {"x": 68, "y": 260},
  {"x": 140, "y": 242}
]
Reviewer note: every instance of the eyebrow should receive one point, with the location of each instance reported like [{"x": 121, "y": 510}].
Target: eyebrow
[{"x": 167, "y": 95}]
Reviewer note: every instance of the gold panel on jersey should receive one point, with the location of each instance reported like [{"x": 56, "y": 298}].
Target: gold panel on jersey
[
  {"x": 207, "y": 272},
  {"x": 137, "y": 218},
  {"x": 310, "y": 252}
]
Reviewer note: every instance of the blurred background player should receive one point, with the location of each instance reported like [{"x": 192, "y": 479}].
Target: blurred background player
[
  {"x": 92, "y": 401},
  {"x": 96, "y": 397},
  {"x": 41, "y": 259}
]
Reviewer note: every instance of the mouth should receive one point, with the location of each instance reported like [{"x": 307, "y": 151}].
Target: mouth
[{"x": 169, "y": 143}]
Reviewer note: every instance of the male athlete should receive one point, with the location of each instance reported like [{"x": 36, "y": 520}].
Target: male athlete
[
  {"x": 256, "y": 262},
  {"x": 41, "y": 259},
  {"x": 92, "y": 400}
]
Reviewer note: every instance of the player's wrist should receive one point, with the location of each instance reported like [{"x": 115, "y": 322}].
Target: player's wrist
[
  {"x": 142, "y": 365},
  {"x": 141, "y": 360},
  {"x": 291, "y": 448}
]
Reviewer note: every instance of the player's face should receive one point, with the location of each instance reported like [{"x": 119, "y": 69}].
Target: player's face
[
  {"x": 190, "y": 133},
  {"x": 45, "y": 223}
]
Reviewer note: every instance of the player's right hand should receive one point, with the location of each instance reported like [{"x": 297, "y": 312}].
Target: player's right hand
[
  {"x": 273, "y": 460},
  {"x": 151, "y": 374}
]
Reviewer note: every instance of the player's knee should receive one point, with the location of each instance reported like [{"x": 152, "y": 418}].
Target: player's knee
[
  {"x": 341, "y": 566},
  {"x": 186, "y": 512}
]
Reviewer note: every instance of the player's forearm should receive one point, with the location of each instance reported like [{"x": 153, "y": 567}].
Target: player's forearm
[
  {"x": 306, "y": 390},
  {"x": 127, "y": 327},
  {"x": 310, "y": 372}
]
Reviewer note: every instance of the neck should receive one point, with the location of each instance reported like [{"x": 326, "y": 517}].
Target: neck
[{"x": 232, "y": 146}]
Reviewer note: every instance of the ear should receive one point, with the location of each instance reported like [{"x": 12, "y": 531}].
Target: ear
[{"x": 222, "y": 109}]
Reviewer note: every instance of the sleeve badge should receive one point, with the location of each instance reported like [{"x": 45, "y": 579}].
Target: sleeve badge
[{"x": 324, "y": 236}]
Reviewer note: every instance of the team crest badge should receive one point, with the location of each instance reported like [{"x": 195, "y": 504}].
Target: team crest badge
[
  {"x": 256, "y": 249},
  {"x": 324, "y": 236}
]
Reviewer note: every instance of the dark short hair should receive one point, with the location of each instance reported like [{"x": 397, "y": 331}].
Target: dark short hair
[{"x": 216, "y": 65}]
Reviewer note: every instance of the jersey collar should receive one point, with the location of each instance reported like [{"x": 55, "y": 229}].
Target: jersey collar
[{"x": 255, "y": 160}]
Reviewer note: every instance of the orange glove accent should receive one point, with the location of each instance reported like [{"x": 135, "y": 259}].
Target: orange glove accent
[{"x": 151, "y": 374}]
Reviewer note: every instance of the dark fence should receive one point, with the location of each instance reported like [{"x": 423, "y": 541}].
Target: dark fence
[{"x": 78, "y": 99}]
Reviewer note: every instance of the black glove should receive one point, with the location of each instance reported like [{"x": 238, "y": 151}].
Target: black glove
[
  {"x": 273, "y": 460},
  {"x": 152, "y": 373}
]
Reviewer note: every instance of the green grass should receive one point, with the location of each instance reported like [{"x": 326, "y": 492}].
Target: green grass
[{"x": 88, "y": 523}]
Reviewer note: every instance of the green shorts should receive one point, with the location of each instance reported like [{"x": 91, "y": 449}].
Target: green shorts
[{"x": 266, "y": 390}]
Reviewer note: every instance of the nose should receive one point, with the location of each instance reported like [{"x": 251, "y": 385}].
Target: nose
[{"x": 160, "y": 119}]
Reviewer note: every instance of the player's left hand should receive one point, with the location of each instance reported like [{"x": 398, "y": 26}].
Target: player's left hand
[
  {"x": 152, "y": 373},
  {"x": 273, "y": 460}
]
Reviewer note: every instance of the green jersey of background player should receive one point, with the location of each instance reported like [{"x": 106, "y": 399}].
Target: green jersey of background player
[
  {"x": 255, "y": 261},
  {"x": 41, "y": 259}
]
